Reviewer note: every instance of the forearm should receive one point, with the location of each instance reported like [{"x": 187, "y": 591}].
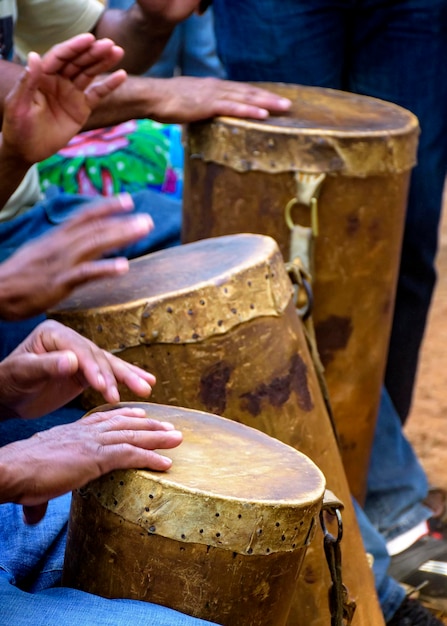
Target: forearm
[
  {"x": 137, "y": 98},
  {"x": 11, "y": 487},
  {"x": 142, "y": 38},
  {"x": 12, "y": 172}
]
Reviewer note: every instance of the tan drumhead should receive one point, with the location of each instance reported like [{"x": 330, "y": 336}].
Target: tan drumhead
[
  {"x": 326, "y": 130},
  {"x": 230, "y": 485},
  {"x": 182, "y": 294}
]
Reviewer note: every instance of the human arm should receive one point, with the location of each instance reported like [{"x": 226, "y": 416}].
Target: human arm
[
  {"x": 53, "y": 462},
  {"x": 181, "y": 99},
  {"x": 45, "y": 270},
  {"x": 54, "y": 364},
  {"x": 143, "y": 29},
  {"x": 185, "y": 99},
  {"x": 50, "y": 102}
]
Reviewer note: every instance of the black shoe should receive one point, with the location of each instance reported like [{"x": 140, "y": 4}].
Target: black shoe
[
  {"x": 412, "y": 613},
  {"x": 424, "y": 567}
]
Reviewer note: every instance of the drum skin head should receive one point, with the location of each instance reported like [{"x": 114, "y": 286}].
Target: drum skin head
[{"x": 230, "y": 485}]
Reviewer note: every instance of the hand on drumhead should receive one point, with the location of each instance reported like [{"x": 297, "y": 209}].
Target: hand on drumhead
[
  {"x": 54, "y": 364},
  {"x": 53, "y": 462},
  {"x": 187, "y": 99},
  {"x": 45, "y": 270}
]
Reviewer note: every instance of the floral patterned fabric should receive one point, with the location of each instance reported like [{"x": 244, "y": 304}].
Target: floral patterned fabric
[{"x": 135, "y": 155}]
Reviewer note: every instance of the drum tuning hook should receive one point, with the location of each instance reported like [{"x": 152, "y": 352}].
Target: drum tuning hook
[
  {"x": 302, "y": 283},
  {"x": 342, "y": 608},
  {"x": 313, "y": 214}
]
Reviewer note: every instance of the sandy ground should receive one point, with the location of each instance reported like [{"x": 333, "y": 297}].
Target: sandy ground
[{"x": 427, "y": 424}]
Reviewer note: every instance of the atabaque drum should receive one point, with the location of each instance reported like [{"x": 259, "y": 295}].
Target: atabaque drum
[
  {"x": 331, "y": 175},
  {"x": 216, "y": 322},
  {"x": 220, "y": 536}
]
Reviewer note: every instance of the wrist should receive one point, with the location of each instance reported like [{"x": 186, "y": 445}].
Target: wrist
[
  {"x": 11, "y": 489},
  {"x": 7, "y": 406},
  {"x": 11, "y": 159},
  {"x": 11, "y": 298},
  {"x": 138, "y": 98}
]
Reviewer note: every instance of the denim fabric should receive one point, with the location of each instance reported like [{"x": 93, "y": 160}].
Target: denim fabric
[
  {"x": 57, "y": 208},
  {"x": 31, "y": 562},
  {"x": 394, "y": 51},
  {"x": 397, "y": 484},
  {"x": 191, "y": 49},
  {"x": 390, "y": 50},
  {"x": 389, "y": 592},
  {"x": 15, "y": 429}
]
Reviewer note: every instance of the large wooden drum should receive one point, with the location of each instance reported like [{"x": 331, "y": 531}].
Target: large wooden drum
[
  {"x": 220, "y": 536},
  {"x": 216, "y": 322},
  {"x": 338, "y": 165}
]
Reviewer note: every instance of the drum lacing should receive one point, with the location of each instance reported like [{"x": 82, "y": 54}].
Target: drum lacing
[{"x": 341, "y": 607}]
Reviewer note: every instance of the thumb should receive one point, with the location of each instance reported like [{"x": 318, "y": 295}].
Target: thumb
[
  {"x": 67, "y": 363},
  {"x": 33, "y": 514},
  {"x": 57, "y": 364}
]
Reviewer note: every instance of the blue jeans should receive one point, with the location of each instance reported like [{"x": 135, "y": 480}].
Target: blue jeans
[
  {"x": 390, "y": 593},
  {"x": 397, "y": 484},
  {"x": 31, "y": 562},
  {"x": 165, "y": 210},
  {"x": 396, "y": 487},
  {"x": 394, "y": 51}
]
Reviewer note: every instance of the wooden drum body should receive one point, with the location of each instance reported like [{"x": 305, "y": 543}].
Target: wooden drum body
[
  {"x": 216, "y": 323},
  {"x": 352, "y": 155},
  {"x": 220, "y": 536}
]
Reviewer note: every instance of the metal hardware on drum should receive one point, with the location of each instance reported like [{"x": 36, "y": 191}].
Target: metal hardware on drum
[{"x": 341, "y": 607}]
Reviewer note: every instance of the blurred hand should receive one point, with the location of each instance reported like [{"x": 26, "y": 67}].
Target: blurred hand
[
  {"x": 45, "y": 270},
  {"x": 54, "y": 96},
  {"x": 54, "y": 364}
]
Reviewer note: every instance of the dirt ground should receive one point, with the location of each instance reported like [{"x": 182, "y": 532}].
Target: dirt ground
[{"x": 427, "y": 424}]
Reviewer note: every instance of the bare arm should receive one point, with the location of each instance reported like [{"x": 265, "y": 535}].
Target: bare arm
[
  {"x": 185, "y": 99},
  {"x": 170, "y": 100},
  {"x": 12, "y": 172},
  {"x": 144, "y": 29}
]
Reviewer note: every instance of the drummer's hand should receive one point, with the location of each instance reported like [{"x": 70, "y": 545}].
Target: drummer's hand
[
  {"x": 54, "y": 364},
  {"x": 187, "y": 99},
  {"x": 53, "y": 462},
  {"x": 54, "y": 97},
  {"x": 44, "y": 271}
]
